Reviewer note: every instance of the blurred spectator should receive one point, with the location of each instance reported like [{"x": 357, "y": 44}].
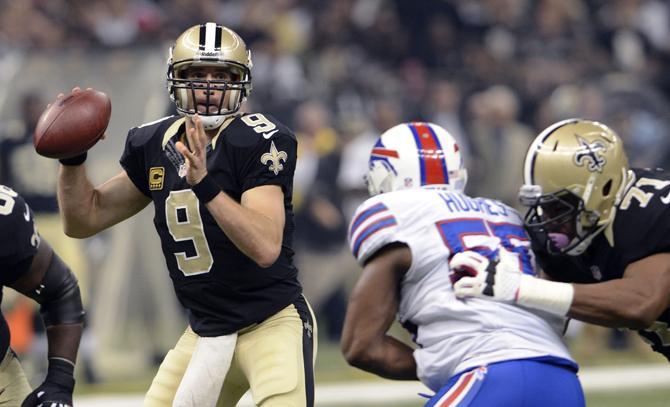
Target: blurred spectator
[
  {"x": 321, "y": 252},
  {"x": 499, "y": 142},
  {"x": 31, "y": 175},
  {"x": 356, "y": 151},
  {"x": 444, "y": 109}
]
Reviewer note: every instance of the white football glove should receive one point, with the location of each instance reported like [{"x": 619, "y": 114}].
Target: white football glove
[{"x": 473, "y": 275}]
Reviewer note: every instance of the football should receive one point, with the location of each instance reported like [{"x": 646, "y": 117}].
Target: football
[{"x": 72, "y": 124}]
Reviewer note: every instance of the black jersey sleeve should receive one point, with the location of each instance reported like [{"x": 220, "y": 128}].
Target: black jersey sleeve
[
  {"x": 642, "y": 222},
  {"x": 270, "y": 159},
  {"x": 18, "y": 236},
  {"x": 132, "y": 160}
]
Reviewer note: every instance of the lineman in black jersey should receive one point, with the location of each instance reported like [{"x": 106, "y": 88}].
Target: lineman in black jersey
[
  {"x": 29, "y": 265},
  {"x": 598, "y": 224},
  {"x": 221, "y": 183}
]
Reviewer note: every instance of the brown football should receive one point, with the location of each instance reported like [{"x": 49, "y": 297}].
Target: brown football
[{"x": 72, "y": 124}]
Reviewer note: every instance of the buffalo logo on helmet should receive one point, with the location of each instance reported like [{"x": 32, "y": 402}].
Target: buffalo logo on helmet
[{"x": 591, "y": 154}]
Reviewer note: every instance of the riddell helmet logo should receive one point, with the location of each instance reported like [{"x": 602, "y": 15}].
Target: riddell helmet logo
[{"x": 591, "y": 154}]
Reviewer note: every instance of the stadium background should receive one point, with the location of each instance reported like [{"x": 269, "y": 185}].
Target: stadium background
[{"x": 493, "y": 72}]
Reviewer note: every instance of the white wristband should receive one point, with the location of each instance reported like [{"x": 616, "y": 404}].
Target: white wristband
[{"x": 549, "y": 296}]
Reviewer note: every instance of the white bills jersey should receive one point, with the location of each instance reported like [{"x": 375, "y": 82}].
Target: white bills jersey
[{"x": 453, "y": 335}]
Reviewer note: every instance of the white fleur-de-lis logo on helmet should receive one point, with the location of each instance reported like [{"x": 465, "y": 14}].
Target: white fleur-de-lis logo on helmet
[
  {"x": 274, "y": 157},
  {"x": 591, "y": 154}
]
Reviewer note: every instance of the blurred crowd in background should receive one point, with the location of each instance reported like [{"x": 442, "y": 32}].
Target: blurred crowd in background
[{"x": 492, "y": 72}]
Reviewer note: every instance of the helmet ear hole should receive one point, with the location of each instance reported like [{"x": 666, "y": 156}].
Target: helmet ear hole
[{"x": 607, "y": 188}]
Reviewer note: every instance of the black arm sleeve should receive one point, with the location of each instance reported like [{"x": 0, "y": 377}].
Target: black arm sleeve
[{"x": 59, "y": 296}]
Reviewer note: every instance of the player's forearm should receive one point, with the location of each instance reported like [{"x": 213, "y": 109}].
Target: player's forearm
[
  {"x": 253, "y": 233},
  {"x": 387, "y": 358},
  {"x": 615, "y": 304},
  {"x": 87, "y": 210},
  {"x": 75, "y": 199},
  {"x": 64, "y": 341}
]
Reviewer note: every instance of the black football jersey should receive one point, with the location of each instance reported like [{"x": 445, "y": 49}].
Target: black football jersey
[
  {"x": 18, "y": 244},
  {"x": 641, "y": 228},
  {"x": 222, "y": 288}
]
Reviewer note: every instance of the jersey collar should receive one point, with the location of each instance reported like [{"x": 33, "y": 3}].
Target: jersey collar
[
  {"x": 172, "y": 130},
  {"x": 223, "y": 126},
  {"x": 177, "y": 125}
]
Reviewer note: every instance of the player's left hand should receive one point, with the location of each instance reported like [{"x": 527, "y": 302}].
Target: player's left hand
[
  {"x": 474, "y": 275},
  {"x": 50, "y": 395},
  {"x": 56, "y": 391},
  {"x": 196, "y": 152}
]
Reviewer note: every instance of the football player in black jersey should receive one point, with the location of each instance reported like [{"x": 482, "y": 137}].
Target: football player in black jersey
[
  {"x": 599, "y": 229},
  {"x": 29, "y": 265},
  {"x": 221, "y": 184}
]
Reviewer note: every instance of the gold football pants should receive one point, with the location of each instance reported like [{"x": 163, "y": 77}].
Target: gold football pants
[
  {"x": 274, "y": 359},
  {"x": 14, "y": 386}
]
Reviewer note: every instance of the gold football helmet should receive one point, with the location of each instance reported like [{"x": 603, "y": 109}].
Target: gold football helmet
[
  {"x": 574, "y": 174},
  {"x": 209, "y": 73}
]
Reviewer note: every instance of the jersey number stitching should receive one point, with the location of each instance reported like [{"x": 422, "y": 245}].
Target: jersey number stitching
[
  {"x": 7, "y": 196},
  {"x": 7, "y": 203},
  {"x": 662, "y": 330},
  {"x": 189, "y": 228},
  {"x": 454, "y": 234},
  {"x": 637, "y": 193},
  {"x": 260, "y": 124}
]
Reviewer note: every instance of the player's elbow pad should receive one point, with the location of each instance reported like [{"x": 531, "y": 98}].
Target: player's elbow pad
[{"x": 59, "y": 296}]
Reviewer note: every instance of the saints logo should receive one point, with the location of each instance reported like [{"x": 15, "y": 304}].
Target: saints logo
[
  {"x": 274, "y": 157},
  {"x": 591, "y": 154}
]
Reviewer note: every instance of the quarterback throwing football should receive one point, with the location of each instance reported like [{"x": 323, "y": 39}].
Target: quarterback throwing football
[{"x": 221, "y": 184}]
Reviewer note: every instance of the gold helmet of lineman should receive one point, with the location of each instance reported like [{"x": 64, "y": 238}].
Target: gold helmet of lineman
[
  {"x": 209, "y": 73},
  {"x": 574, "y": 174}
]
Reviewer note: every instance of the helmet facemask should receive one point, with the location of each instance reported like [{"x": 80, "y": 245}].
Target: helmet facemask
[
  {"x": 212, "y": 99},
  {"x": 560, "y": 223}
]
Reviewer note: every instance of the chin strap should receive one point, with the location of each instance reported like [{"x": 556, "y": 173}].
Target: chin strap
[
  {"x": 212, "y": 122},
  {"x": 208, "y": 122}
]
